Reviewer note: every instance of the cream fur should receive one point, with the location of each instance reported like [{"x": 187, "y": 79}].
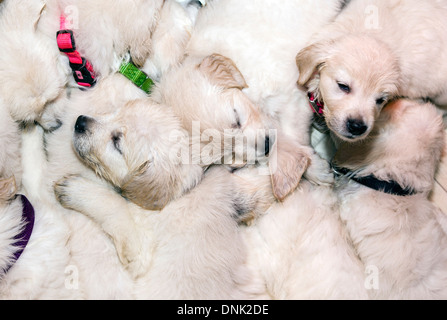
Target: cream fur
[
  {"x": 190, "y": 246},
  {"x": 68, "y": 253},
  {"x": 299, "y": 249},
  {"x": 402, "y": 237},
  {"x": 381, "y": 49},
  {"x": 261, "y": 39}
]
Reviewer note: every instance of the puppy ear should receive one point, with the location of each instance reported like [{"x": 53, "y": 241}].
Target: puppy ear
[
  {"x": 287, "y": 165},
  {"x": 151, "y": 192},
  {"x": 8, "y": 189},
  {"x": 310, "y": 59},
  {"x": 223, "y": 72}
]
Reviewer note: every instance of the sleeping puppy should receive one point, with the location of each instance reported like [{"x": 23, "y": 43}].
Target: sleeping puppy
[
  {"x": 259, "y": 40},
  {"x": 34, "y": 73},
  {"x": 188, "y": 246},
  {"x": 33, "y": 237},
  {"x": 397, "y": 232},
  {"x": 31, "y": 75},
  {"x": 374, "y": 51},
  {"x": 105, "y": 32},
  {"x": 299, "y": 249},
  {"x": 10, "y": 174}
]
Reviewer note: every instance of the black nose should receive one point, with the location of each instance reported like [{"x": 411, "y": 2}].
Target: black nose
[
  {"x": 356, "y": 127},
  {"x": 81, "y": 125}
]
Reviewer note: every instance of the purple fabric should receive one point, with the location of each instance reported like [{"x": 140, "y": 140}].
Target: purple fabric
[{"x": 24, "y": 236}]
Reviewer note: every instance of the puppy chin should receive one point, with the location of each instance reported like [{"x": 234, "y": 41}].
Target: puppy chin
[{"x": 80, "y": 146}]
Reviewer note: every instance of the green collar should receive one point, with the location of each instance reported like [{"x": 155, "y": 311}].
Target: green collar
[{"x": 138, "y": 77}]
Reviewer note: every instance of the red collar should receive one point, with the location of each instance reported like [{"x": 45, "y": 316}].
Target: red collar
[
  {"x": 82, "y": 69},
  {"x": 316, "y": 105}
]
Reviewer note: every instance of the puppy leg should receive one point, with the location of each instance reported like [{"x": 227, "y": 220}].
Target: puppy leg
[
  {"x": 114, "y": 214},
  {"x": 171, "y": 36}
]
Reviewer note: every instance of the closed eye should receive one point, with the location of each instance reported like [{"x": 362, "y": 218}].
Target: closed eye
[
  {"x": 116, "y": 139},
  {"x": 237, "y": 124},
  {"x": 344, "y": 87},
  {"x": 381, "y": 101}
]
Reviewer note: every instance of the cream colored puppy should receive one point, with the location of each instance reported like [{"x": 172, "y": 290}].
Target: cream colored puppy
[
  {"x": 34, "y": 256},
  {"x": 106, "y": 31},
  {"x": 259, "y": 39},
  {"x": 31, "y": 75},
  {"x": 374, "y": 51},
  {"x": 189, "y": 247},
  {"x": 34, "y": 73},
  {"x": 398, "y": 233},
  {"x": 299, "y": 249}
]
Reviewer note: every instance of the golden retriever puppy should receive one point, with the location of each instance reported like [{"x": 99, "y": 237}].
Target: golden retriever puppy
[
  {"x": 106, "y": 31},
  {"x": 259, "y": 40},
  {"x": 33, "y": 237},
  {"x": 383, "y": 185},
  {"x": 10, "y": 172},
  {"x": 188, "y": 247},
  {"x": 96, "y": 270},
  {"x": 31, "y": 75},
  {"x": 299, "y": 249},
  {"x": 374, "y": 51},
  {"x": 35, "y": 72}
]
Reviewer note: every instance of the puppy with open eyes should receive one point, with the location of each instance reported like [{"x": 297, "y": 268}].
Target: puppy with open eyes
[
  {"x": 374, "y": 51},
  {"x": 188, "y": 245},
  {"x": 383, "y": 187}
]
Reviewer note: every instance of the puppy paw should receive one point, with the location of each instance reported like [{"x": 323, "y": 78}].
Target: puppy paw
[
  {"x": 319, "y": 172},
  {"x": 65, "y": 191},
  {"x": 133, "y": 254}
]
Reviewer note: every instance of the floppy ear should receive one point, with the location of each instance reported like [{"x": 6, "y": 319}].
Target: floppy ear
[
  {"x": 310, "y": 59},
  {"x": 223, "y": 72},
  {"x": 8, "y": 189},
  {"x": 287, "y": 165},
  {"x": 149, "y": 191},
  {"x": 153, "y": 189}
]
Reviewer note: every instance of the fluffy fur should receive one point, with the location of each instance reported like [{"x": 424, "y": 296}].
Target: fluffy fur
[
  {"x": 260, "y": 39},
  {"x": 299, "y": 249},
  {"x": 33, "y": 72},
  {"x": 403, "y": 238},
  {"x": 168, "y": 258},
  {"x": 39, "y": 273},
  {"x": 374, "y": 51},
  {"x": 71, "y": 249},
  {"x": 31, "y": 75}
]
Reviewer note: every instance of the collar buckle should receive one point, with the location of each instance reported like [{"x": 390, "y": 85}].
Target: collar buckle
[{"x": 83, "y": 73}]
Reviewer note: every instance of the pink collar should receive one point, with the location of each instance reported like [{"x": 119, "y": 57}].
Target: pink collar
[
  {"x": 82, "y": 69},
  {"x": 316, "y": 105}
]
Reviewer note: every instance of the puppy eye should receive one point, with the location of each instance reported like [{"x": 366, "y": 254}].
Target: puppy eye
[
  {"x": 381, "y": 101},
  {"x": 344, "y": 87},
  {"x": 237, "y": 124},
  {"x": 116, "y": 139}
]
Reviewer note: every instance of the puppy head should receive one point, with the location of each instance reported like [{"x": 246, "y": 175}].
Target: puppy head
[
  {"x": 137, "y": 150},
  {"x": 207, "y": 95},
  {"x": 354, "y": 76},
  {"x": 405, "y": 146}
]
